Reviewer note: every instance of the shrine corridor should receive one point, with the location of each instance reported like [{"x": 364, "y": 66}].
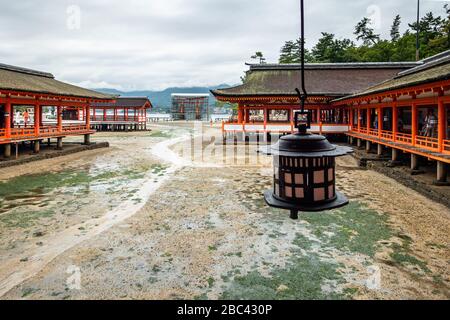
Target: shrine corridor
[{"x": 168, "y": 215}]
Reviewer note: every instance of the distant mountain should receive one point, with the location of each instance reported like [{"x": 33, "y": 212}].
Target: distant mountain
[{"x": 162, "y": 100}]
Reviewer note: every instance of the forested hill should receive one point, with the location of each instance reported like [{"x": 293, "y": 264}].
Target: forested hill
[{"x": 162, "y": 99}]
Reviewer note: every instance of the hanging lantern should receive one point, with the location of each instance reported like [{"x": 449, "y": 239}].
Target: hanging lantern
[
  {"x": 304, "y": 173},
  {"x": 304, "y": 163}
]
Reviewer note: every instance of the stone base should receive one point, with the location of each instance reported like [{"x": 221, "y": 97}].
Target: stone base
[
  {"x": 441, "y": 183},
  {"x": 392, "y": 164},
  {"x": 416, "y": 172}
]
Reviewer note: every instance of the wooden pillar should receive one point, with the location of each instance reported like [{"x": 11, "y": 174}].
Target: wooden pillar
[
  {"x": 394, "y": 121},
  {"x": 441, "y": 172},
  {"x": 87, "y": 139},
  {"x": 379, "y": 149},
  {"x": 442, "y": 120},
  {"x": 37, "y": 146},
  {"x": 395, "y": 155},
  {"x": 368, "y": 120},
  {"x": 359, "y": 117},
  {"x": 59, "y": 117},
  {"x": 266, "y": 117},
  {"x": 414, "y": 162},
  {"x": 104, "y": 114},
  {"x": 380, "y": 121},
  {"x": 414, "y": 123},
  {"x": 37, "y": 121},
  {"x": 59, "y": 143},
  {"x": 8, "y": 112},
  {"x": 88, "y": 117},
  {"x": 7, "y": 150},
  {"x": 240, "y": 113},
  {"x": 350, "y": 118}
]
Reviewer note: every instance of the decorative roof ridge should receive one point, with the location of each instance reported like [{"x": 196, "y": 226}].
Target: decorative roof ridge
[
  {"x": 429, "y": 63},
  {"x": 26, "y": 71},
  {"x": 331, "y": 66}
]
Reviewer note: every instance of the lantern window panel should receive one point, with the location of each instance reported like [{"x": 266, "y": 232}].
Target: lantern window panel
[
  {"x": 288, "y": 192},
  {"x": 330, "y": 175},
  {"x": 319, "y": 194},
  {"x": 331, "y": 192},
  {"x": 319, "y": 176},
  {"x": 288, "y": 178},
  {"x": 299, "y": 193},
  {"x": 299, "y": 179}
]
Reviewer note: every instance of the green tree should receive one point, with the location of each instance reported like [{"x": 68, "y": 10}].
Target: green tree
[
  {"x": 291, "y": 53},
  {"x": 395, "y": 29},
  {"x": 259, "y": 56},
  {"x": 365, "y": 32},
  {"x": 288, "y": 53},
  {"x": 329, "y": 49}
]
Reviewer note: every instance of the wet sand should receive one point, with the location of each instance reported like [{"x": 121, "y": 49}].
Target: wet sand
[{"x": 193, "y": 225}]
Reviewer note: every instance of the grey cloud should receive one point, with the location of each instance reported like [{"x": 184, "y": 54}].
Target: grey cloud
[{"x": 138, "y": 44}]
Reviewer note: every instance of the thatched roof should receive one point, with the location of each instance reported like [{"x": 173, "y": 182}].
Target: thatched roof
[
  {"x": 430, "y": 70},
  {"x": 27, "y": 80},
  {"x": 323, "y": 79}
]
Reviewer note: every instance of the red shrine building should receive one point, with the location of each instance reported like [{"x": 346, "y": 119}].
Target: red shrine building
[
  {"x": 128, "y": 113},
  {"x": 402, "y": 106},
  {"x": 267, "y": 100},
  {"x": 34, "y": 91}
]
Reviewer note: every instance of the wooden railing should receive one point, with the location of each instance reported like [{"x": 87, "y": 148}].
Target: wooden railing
[
  {"x": 122, "y": 118},
  {"x": 45, "y": 131},
  {"x": 427, "y": 142},
  {"x": 387, "y": 135},
  {"x": 446, "y": 146},
  {"x": 22, "y": 132},
  {"x": 403, "y": 137}
]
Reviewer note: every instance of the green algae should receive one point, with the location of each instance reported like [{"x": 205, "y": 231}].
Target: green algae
[
  {"x": 160, "y": 134},
  {"x": 26, "y": 199},
  {"x": 353, "y": 229}
]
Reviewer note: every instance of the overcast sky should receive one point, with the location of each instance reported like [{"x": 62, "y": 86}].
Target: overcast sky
[{"x": 154, "y": 44}]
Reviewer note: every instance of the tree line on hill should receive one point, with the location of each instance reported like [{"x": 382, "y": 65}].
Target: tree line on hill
[{"x": 434, "y": 38}]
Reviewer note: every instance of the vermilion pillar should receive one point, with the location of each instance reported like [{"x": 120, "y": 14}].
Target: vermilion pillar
[
  {"x": 350, "y": 117},
  {"x": 368, "y": 120},
  {"x": 414, "y": 123},
  {"x": 380, "y": 121},
  {"x": 266, "y": 116},
  {"x": 8, "y": 110},
  {"x": 59, "y": 118},
  {"x": 240, "y": 113},
  {"x": 359, "y": 118},
  {"x": 442, "y": 119},
  {"x": 37, "y": 121},
  {"x": 88, "y": 117}
]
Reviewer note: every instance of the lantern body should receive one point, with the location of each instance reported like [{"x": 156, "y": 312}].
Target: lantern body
[{"x": 304, "y": 174}]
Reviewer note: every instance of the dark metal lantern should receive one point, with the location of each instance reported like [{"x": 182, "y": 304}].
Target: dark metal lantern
[{"x": 304, "y": 173}]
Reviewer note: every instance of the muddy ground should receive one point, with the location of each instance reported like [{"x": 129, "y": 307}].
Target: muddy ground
[{"x": 168, "y": 215}]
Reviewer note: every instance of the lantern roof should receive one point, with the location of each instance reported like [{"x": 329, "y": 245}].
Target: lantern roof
[{"x": 306, "y": 146}]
